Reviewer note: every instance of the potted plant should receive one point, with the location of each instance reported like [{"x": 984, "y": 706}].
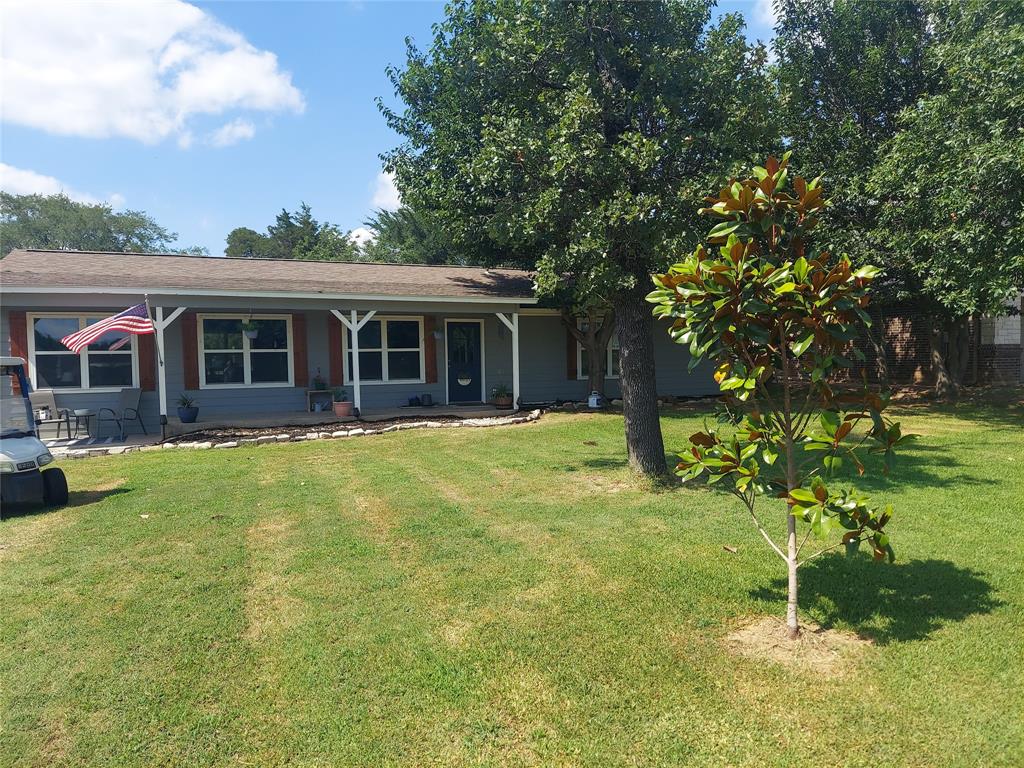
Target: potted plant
[
  {"x": 188, "y": 411},
  {"x": 502, "y": 397},
  {"x": 250, "y": 329},
  {"x": 319, "y": 382},
  {"x": 342, "y": 405}
]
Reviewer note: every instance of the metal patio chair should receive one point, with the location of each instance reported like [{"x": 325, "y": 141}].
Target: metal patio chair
[
  {"x": 44, "y": 399},
  {"x": 127, "y": 410}
]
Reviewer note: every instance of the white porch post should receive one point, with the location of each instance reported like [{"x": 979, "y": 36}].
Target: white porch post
[
  {"x": 513, "y": 326},
  {"x": 354, "y": 324},
  {"x": 161, "y": 325}
]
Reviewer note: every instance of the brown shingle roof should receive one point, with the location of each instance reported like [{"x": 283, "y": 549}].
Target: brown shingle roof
[{"x": 174, "y": 272}]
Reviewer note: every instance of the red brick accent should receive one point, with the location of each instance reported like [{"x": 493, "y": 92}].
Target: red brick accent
[
  {"x": 430, "y": 348},
  {"x": 300, "y": 356},
  {"x": 334, "y": 334},
  {"x": 18, "y": 324},
  {"x": 190, "y": 350},
  {"x": 147, "y": 362}
]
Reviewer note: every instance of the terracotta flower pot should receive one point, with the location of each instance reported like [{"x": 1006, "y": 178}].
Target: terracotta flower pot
[{"x": 343, "y": 408}]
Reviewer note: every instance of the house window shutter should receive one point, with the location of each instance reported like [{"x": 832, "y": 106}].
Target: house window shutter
[
  {"x": 571, "y": 370},
  {"x": 334, "y": 331},
  {"x": 147, "y": 362},
  {"x": 190, "y": 350},
  {"x": 18, "y": 325},
  {"x": 299, "y": 353},
  {"x": 430, "y": 348}
]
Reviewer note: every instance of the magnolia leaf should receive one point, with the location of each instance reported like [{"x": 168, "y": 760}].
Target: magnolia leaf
[{"x": 801, "y": 346}]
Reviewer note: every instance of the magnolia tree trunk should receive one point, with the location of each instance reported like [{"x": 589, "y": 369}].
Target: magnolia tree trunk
[
  {"x": 635, "y": 325},
  {"x": 792, "y": 610}
]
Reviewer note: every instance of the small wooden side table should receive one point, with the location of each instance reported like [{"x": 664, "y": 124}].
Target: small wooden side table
[{"x": 322, "y": 396}]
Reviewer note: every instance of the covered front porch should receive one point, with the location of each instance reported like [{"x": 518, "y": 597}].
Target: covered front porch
[{"x": 269, "y": 364}]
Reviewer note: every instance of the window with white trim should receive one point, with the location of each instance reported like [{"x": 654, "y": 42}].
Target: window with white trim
[
  {"x": 391, "y": 350},
  {"x": 611, "y": 370},
  {"x": 109, "y": 363},
  {"x": 238, "y": 351}
]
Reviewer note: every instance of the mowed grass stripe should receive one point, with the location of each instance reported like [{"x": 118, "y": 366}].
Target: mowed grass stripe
[{"x": 499, "y": 597}]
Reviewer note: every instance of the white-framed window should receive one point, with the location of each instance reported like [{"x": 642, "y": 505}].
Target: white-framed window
[
  {"x": 244, "y": 351},
  {"x": 391, "y": 351},
  {"x": 107, "y": 365},
  {"x": 611, "y": 370}
]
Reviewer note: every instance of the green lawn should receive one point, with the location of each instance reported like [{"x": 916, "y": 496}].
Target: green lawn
[{"x": 508, "y": 596}]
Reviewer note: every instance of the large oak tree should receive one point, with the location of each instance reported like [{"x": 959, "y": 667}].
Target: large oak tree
[{"x": 578, "y": 137}]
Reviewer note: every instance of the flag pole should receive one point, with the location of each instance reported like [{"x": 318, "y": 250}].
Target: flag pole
[{"x": 158, "y": 342}]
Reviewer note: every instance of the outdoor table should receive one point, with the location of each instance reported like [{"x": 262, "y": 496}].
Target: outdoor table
[{"x": 83, "y": 415}]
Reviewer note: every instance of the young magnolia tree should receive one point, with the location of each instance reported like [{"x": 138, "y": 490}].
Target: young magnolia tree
[{"x": 780, "y": 320}]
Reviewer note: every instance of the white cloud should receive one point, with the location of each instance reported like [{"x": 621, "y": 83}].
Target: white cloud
[
  {"x": 20, "y": 181},
  {"x": 764, "y": 12},
  {"x": 361, "y": 235},
  {"x": 385, "y": 193},
  {"x": 141, "y": 70},
  {"x": 232, "y": 133}
]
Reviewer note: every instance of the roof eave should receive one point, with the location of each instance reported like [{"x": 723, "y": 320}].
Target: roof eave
[{"x": 322, "y": 296}]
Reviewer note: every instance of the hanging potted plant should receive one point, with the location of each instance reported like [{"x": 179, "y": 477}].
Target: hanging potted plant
[
  {"x": 502, "y": 397},
  {"x": 188, "y": 411},
  {"x": 342, "y": 405},
  {"x": 250, "y": 329}
]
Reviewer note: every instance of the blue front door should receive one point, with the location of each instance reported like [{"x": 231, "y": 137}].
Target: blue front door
[{"x": 465, "y": 363}]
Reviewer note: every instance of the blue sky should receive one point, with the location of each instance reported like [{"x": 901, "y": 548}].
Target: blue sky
[{"x": 248, "y": 133}]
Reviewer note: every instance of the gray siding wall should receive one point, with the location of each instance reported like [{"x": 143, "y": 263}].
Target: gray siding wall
[
  {"x": 544, "y": 374},
  {"x": 544, "y": 364}
]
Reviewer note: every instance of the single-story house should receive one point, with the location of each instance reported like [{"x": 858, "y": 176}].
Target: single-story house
[{"x": 247, "y": 337}]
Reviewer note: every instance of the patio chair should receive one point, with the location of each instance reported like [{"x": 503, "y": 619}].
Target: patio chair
[
  {"x": 43, "y": 398},
  {"x": 127, "y": 410}
]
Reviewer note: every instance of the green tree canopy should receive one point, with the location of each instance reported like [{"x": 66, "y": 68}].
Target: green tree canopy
[
  {"x": 295, "y": 235},
  {"x": 578, "y": 137},
  {"x": 950, "y": 179},
  {"x": 58, "y": 222},
  {"x": 846, "y": 71},
  {"x": 409, "y": 236}
]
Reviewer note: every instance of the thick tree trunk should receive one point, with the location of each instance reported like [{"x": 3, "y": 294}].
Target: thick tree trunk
[
  {"x": 876, "y": 338},
  {"x": 960, "y": 331},
  {"x": 945, "y": 387},
  {"x": 635, "y": 325},
  {"x": 976, "y": 344},
  {"x": 594, "y": 338},
  {"x": 950, "y": 356}
]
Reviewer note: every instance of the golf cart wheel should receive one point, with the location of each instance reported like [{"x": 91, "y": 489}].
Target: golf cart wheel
[{"x": 55, "y": 487}]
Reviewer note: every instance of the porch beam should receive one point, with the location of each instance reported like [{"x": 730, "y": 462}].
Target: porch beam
[
  {"x": 513, "y": 325},
  {"x": 161, "y": 325},
  {"x": 354, "y": 325}
]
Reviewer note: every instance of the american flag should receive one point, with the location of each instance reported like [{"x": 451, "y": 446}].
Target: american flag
[{"x": 133, "y": 320}]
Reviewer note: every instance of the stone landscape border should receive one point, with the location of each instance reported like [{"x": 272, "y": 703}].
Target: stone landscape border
[{"x": 296, "y": 437}]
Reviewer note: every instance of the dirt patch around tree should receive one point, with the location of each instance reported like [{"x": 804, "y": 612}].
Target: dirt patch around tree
[{"x": 820, "y": 651}]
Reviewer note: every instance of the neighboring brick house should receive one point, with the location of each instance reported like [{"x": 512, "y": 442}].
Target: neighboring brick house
[{"x": 905, "y": 333}]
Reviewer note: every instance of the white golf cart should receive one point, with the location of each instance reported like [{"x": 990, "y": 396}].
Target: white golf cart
[{"x": 22, "y": 456}]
